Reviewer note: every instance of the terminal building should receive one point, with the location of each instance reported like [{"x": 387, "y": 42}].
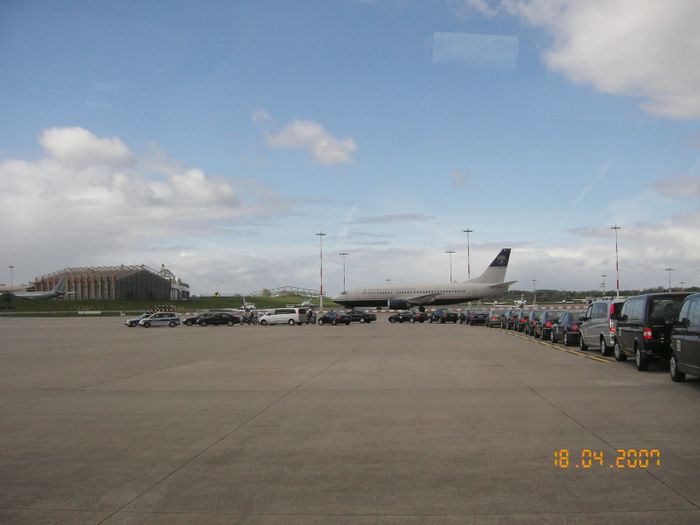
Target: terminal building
[{"x": 116, "y": 283}]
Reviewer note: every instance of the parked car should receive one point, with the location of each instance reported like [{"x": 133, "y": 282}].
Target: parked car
[
  {"x": 408, "y": 316},
  {"x": 533, "y": 315},
  {"x": 522, "y": 320},
  {"x": 335, "y": 318},
  {"x": 360, "y": 316},
  {"x": 644, "y": 327},
  {"x": 160, "y": 319},
  {"x": 477, "y": 317},
  {"x": 134, "y": 321},
  {"x": 443, "y": 316},
  {"x": 685, "y": 341},
  {"x": 509, "y": 318},
  {"x": 219, "y": 318},
  {"x": 544, "y": 322},
  {"x": 290, "y": 316},
  {"x": 494, "y": 318},
  {"x": 598, "y": 325},
  {"x": 566, "y": 329},
  {"x": 193, "y": 320}
]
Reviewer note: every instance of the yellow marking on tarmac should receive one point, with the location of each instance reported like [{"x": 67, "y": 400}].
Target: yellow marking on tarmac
[{"x": 555, "y": 347}]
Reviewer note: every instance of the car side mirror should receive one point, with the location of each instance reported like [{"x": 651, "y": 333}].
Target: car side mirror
[{"x": 583, "y": 318}]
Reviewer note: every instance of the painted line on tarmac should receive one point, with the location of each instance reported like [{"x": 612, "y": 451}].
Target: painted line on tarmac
[{"x": 577, "y": 353}]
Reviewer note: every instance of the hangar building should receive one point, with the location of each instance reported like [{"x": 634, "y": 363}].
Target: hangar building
[{"x": 114, "y": 283}]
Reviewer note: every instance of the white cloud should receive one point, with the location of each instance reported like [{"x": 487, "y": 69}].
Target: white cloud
[
  {"x": 639, "y": 48},
  {"x": 310, "y": 135},
  {"x": 462, "y": 8},
  {"x": 260, "y": 116},
  {"x": 684, "y": 187},
  {"x": 79, "y": 147},
  {"x": 58, "y": 213}
]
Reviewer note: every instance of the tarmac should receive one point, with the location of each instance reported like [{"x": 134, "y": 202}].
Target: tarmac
[{"x": 360, "y": 424}]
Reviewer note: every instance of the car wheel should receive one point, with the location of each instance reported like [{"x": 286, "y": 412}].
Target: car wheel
[
  {"x": 334, "y": 322},
  {"x": 172, "y": 324},
  {"x": 392, "y": 320},
  {"x": 320, "y": 321},
  {"x": 619, "y": 356},
  {"x": 565, "y": 339},
  {"x": 188, "y": 323},
  {"x": 263, "y": 322},
  {"x": 291, "y": 322},
  {"x": 604, "y": 349},
  {"x": 132, "y": 324},
  {"x": 347, "y": 323},
  {"x": 641, "y": 360},
  {"x": 202, "y": 323},
  {"x": 362, "y": 321},
  {"x": 676, "y": 375},
  {"x": 413, "y": 320},
  {"x": 552, "y": 339},
  {"x": 581, "y": 343},
  {"x": 230, "y": 323},
  {"x": 146, "y": 324}
]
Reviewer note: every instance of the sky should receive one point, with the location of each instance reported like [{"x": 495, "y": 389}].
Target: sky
[{"x": 218, "y": 138}]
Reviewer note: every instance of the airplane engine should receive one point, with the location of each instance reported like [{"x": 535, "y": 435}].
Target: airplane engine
[{"x": 397, "y": 304}]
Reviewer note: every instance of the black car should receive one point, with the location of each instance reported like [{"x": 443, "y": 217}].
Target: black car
[
  {"x": 193, "y": 320},
  {"x": 533, "y": 315},
  {"x": 644, "y": 327},
  {"x": 544, "y": 323},
  {"x": 359, "y": 316},
  {"x": 566, "y": 329},
  {"x": 219, "y": 318},
  {"x": 334, "y": 318},
  {"x": 685, "y": 341},
  {"x": 444, "y": 316},
  {"x": 477, "y": 317},
  {"x": 408, "y": 316}
]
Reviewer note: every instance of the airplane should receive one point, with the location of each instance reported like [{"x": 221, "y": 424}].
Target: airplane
[
  {"x": 397, "y": 297},
  {"x": 57, "y": 291}
]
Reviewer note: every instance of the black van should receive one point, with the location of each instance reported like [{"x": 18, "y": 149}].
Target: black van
[
  {"x": 644, "y": 327},
  {"x": 685, "y": 340}
]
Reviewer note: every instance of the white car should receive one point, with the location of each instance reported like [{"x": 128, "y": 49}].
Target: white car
[
  {"x": 134, "y": 321},
  {"x": 160, "y": 319},
  {"x": 290, "y": 316}
]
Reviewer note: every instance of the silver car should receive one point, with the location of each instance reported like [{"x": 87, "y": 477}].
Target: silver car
[
  {"x": 160, "y": 319},
  {"x": 599, "y": 325}
]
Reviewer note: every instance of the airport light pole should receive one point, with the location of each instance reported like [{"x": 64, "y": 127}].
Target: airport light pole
[
  {"x": 669, "y": 270},
  {"x": 469, "y": 267},
  {"x": 321, "y": 235},
  {"x": 604, "y": 287},
  {"x": 617, "y": 259},
  {"x": 344, "y": 254},
  {"x": 450, "y": 252},
  {"x": 11, "y": 267},
  {"x": 534, "y": 291}
]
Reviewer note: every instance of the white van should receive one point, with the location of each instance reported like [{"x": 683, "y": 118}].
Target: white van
[{"x": 290, "y": 316}]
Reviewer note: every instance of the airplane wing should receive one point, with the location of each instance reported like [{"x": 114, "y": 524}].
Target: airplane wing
[
  {"x": 422, "y": 299},
  {"x": 502, "y": 286}
]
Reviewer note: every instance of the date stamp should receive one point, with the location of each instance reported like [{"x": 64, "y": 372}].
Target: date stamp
[{"x": 629, "y": 458}]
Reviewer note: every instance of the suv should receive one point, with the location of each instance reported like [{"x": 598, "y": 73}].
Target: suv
[
  {"x": 522, "y": 320},
  {"x": 644, "y": 327},
  {"x": 290, "y": 316},
  {"x": 477, "y": 317},
  {"x": 160, "y": 319},
  {"x": 543, "y": 325},
  {"x": 685, "y": 341},
  {"x": 598, "y": 325},
  {"x": 494, "y": 318}
]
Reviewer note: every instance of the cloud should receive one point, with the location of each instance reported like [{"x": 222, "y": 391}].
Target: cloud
[
  {"x": 390, "y": 219},
  {"x": 638, "y": 48},
  {"x": 97, "y": 209},
  {"x": 463, "y": 8},
  {"x": 685, "y": 187},
  {"x": 459, "y": 179},
  {"x": 260, "y": 116},
  {"x": 78, "y": 147},
  {"x": 307, "y": 134}
]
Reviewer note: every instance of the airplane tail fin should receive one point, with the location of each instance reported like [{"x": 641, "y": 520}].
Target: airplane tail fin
[
  {"x": 496, "y": 272},
  {"x": 60, "y": 286}
]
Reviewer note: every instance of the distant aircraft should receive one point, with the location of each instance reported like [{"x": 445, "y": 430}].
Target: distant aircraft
[
  {"x": 57, "y": 291},
  {"x": 398, "y": 297}
]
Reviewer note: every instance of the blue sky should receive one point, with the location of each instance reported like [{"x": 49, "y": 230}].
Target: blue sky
[{"x": 217, "y": 138}]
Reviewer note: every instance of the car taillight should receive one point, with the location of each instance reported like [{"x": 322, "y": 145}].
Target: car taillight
[
  {"x": 647, "y": 333},
  {"x": 612, "y": 327},
  {"x": 548, "y": 325},
  {"x": 574, "y": 328}
]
